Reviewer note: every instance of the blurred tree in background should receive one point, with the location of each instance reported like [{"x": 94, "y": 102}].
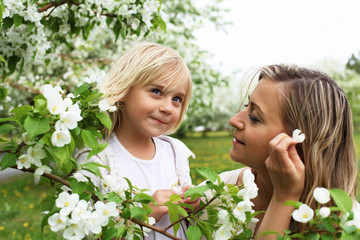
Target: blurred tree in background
[{"x": 66, "y": 43}]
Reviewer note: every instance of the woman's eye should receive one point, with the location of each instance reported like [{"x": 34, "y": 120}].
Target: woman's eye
[
  {"x": 177, "y": 99},
  {"x": 253, "y": 118},
  {"x": 246, "y": 105},
  {"x": 156, "y": 91}
]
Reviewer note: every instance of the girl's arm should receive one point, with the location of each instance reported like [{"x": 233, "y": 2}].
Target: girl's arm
[{"x": 287, "y": 173}]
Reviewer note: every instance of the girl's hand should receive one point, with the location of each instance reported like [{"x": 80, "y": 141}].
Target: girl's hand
[
  {"x": 194, "y": 203},
  {"x": 286, "y": 169},
  {"x": 160, "y": 196}
]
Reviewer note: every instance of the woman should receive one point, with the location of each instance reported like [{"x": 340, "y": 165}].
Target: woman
[{"x": 288, "y": 98}]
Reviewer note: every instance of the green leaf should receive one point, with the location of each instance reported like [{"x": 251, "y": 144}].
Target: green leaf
[
  {"x": 40, "y": 104},
  {"x": 138, "y": 213},
  {"x": 89, "y": 138},
  {"x": 312, "y": 236},
  {"x": 60, "y": 154},
  {"x": 196, "y": 190},
  {"x": 193, "y": 233},
  {"x": 328, "y": 225},
  {"x": 109, "y": 234},
  {"x": 36, "y": 126},
  {"x": 268, "y": 233},
  {"x": 98, "y": 148},
  {"x": 174, "y": 216},
  {"x": 82, "y": 89},
  {"x": 94, "y": 167},
  {"x": 2, "y": 59},
  {"x": 13, "y": 60},
  {"x": 342, "y": 200},
  {"x": 21, "y": 111},
  {"x": 143, "y": 198},
  {"x": 44, "y": 221},
  {"x": 5, "y": 128},
  {"x": 77, "y": 187},
  {"x": 293, "y": 204},
  {"x": 104, "y": 119},
  {"x": 208, "y": 173},
  {"x": 17, "y": 20},
  {"x": 327, "y": 236},
  {"x": 174, "y": 198},
  {"x": 7, "y": 23},
  {"x": 8, "y": 160}
]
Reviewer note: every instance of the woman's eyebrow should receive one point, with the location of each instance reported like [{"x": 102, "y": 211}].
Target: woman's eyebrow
[{"x": 256, "y": 106}]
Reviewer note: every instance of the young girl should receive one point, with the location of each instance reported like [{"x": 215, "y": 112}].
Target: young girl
[
  {"x": 288, "y": 98},
  {"x": 151, "y": 87}
]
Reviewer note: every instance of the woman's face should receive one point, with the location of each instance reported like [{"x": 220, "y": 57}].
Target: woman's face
[{"x": 257, "y": 125}]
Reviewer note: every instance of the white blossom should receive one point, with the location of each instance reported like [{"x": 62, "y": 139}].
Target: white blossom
[
  {"x": 24, "y": 161},
  {"x": 324, "y": 212},
  {"x": 303, "y": 214},
  {"x": 298, "y": 136},
  {"x": 36, "y": 153},
  {"x": 106, "y": 210},
  {"x": 66, "y": 202},
  {"x": 57, "y": 222},
  {"x": 223, "y": 216},
  {"x": 321, "y": 195},
  {"x": 26, "y": 139},
  {"x": 93, "y": 223},
  {"x": 60, "y": 138},
  {"x": 80, "y": 212},
  {"x": 104, "y": 105},
  {"x": 80, "y": 177},
  {"x": 241, "y": 208},
  {"x": 74, "y": 231},
  {"x": 224, "y": 232}
]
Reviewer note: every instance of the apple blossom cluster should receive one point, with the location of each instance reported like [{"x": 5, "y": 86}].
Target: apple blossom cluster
[
  {"x": 77, "y": 218},
  {"x": 305, "y": 214},
  {"x": 69, "y": 114},
  {"x": 33, "y": 156},
  {"x": 230, "y": 227},
  {"x": 24, "y": 37}
]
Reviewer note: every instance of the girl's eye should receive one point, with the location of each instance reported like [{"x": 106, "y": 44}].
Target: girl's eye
[
  {"x": 156, "y": 91},
  {"x": 246, "y": 105},
  {"x": 177, "y": 99},
  {"x": 253, "y": 118}
]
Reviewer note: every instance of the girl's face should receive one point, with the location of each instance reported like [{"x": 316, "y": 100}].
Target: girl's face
[
  {"x": 257, "y": 124},
  {"x": 151, "y": 110}
]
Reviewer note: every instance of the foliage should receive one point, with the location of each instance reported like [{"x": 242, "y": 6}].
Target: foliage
[
  {"x": 43, "y": 140},
  {"x": 338, "y": 222},
  {"x": 66, "y": 42}
]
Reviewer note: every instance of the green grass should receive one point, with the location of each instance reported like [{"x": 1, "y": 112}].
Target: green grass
[{"x": 21, "y": 201}]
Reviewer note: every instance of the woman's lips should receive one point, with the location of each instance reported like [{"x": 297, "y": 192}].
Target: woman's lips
[{"x": 238, "y": 141}]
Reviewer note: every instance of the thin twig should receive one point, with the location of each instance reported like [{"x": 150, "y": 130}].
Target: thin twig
[{"x": 195, "y": 212}]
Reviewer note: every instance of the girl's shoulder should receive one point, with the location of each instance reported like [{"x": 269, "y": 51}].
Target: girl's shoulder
[{"x": 232, "y": 176}]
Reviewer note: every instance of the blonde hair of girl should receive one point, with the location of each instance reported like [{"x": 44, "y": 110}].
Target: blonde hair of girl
[{"x": 144, "y": 64}]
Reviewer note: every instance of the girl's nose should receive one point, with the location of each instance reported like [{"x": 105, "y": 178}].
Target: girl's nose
[
  {"x": 237, "y": 121},
  {"x": 166, "y": 106}
]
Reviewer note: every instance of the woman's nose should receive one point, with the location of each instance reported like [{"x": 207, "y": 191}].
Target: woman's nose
[{"x": 237, "y": 121}]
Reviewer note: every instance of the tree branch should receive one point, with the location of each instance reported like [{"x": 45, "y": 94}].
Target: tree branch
[
  {"x": 50, "y": 5},
  {"x": 188, "y": 216}
]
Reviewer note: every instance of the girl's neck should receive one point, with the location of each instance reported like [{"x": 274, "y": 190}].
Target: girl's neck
[
  {"x": 139, "y": 147},
  {"x": 265, "y": 192}
]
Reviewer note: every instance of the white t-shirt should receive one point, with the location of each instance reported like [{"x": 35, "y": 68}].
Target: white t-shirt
[{"x": 154, "y": 174}]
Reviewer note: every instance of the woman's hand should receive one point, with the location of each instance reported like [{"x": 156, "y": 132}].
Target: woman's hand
[{"x": 286, "y": 169}]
